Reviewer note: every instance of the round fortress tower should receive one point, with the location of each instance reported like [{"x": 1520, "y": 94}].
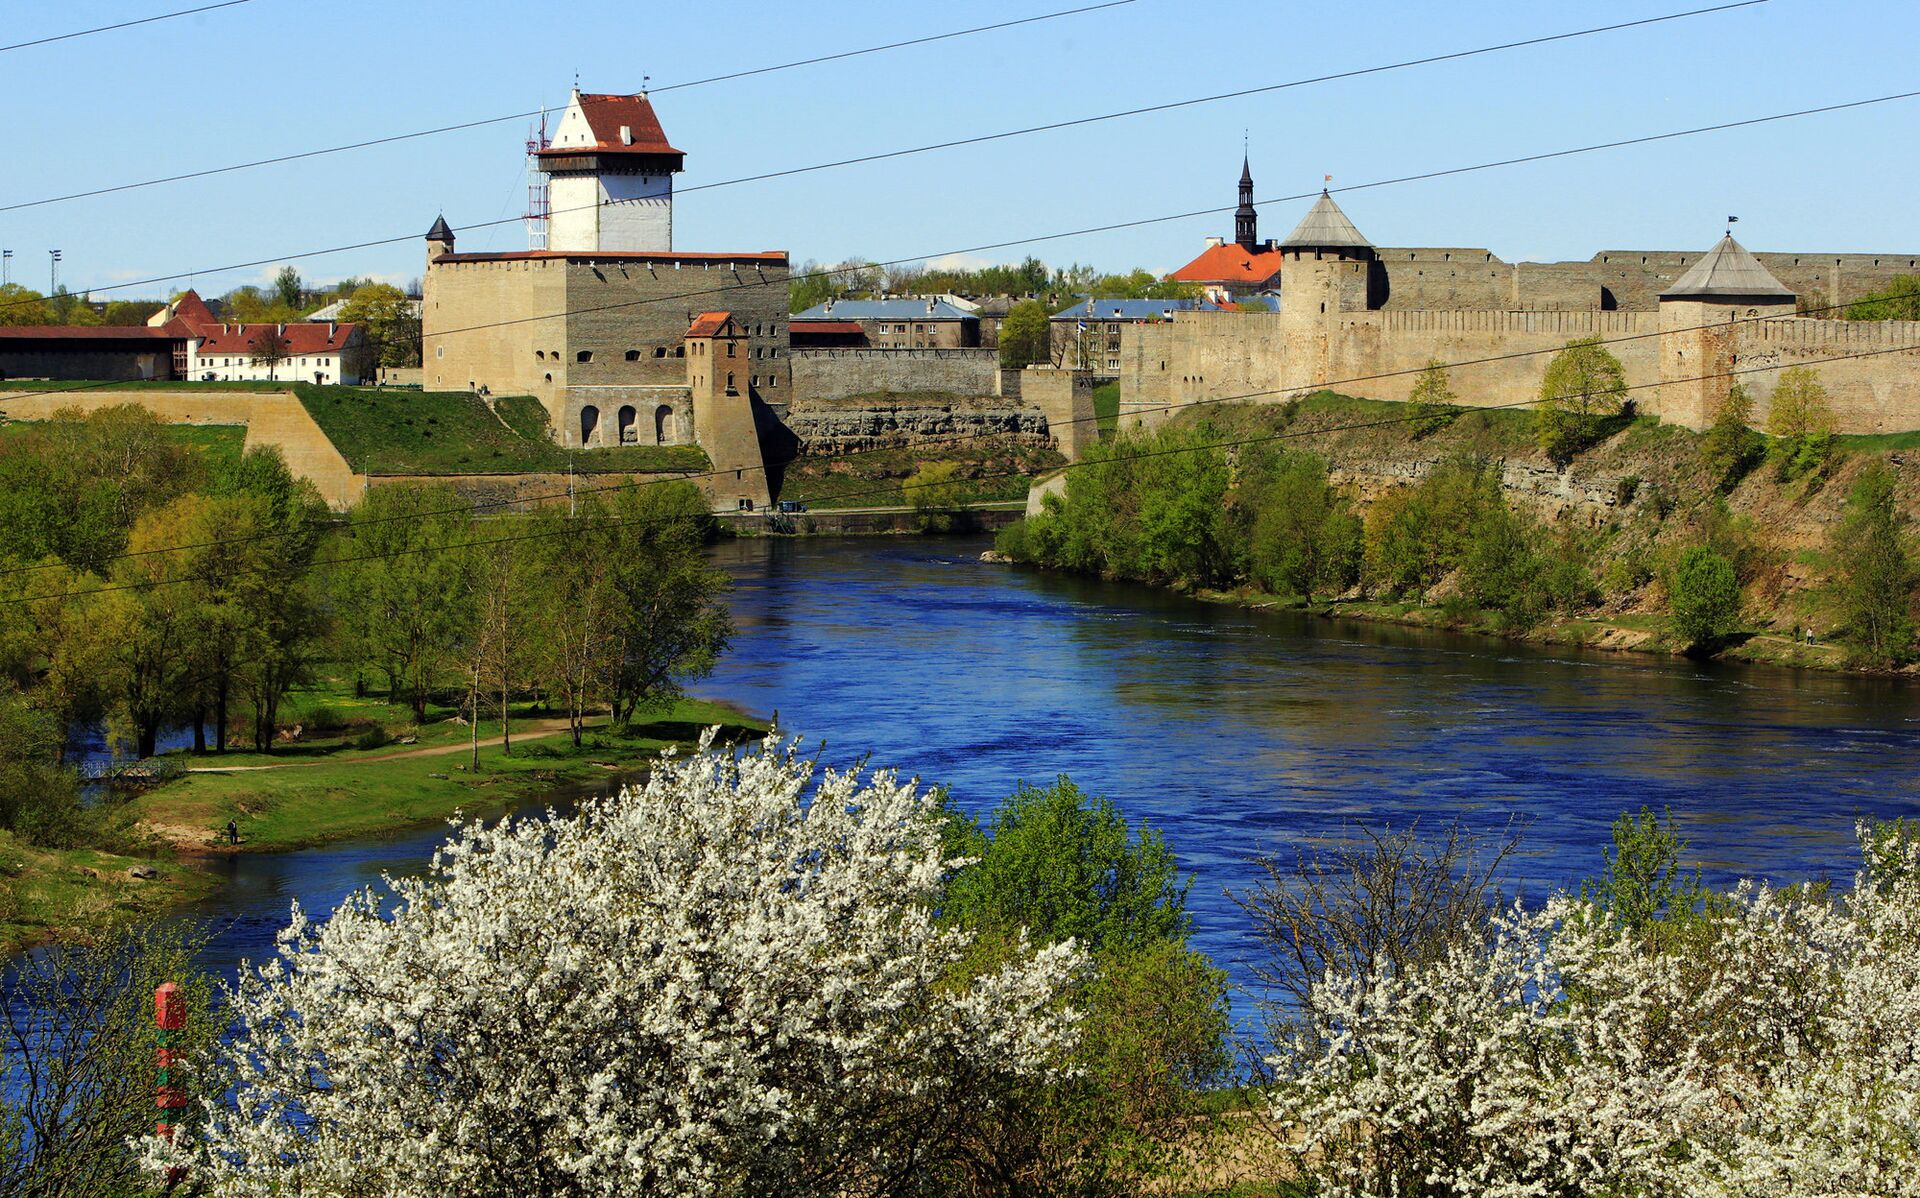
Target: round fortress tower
[
  {"x": 1702, "y": 317},
  {"x": 1326, "y": 269}
]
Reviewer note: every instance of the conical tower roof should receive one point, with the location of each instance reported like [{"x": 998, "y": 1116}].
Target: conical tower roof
[
  {"x": 439, "y": 232},
  {"x": 1325, "y": 227},
  {"x": 1728, "y": 271}
]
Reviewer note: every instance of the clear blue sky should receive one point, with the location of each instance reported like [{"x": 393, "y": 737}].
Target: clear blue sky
[{"x": 272, "y": 76}]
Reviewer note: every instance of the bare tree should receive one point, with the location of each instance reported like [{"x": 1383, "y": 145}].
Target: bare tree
[
  {"x": 1383, "y": 898},
  {"x": 269, "y": 350}
]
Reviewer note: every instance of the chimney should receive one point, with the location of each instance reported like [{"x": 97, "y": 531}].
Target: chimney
[
  {"x": 1214, "y": 243},
  {"x": 330, "y": 328},
  {"x": 626, "y": 135}
]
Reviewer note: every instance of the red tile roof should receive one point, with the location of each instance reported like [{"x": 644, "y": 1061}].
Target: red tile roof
[
  {"x": 709, "y": 324},
  {"x": 191, "y": 310},
  {"x": 1230, "y": 263},
  {"x": 607, "y": 115},
  {"x": 70, "y": 332},
  {"x": 825, "y": 326},
  {"x": 301, "y": 338}
]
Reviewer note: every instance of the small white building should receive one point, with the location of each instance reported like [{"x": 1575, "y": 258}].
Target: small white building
[{"x": 304, "y": 352}]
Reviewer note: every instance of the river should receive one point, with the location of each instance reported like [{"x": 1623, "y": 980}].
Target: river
[{"x": 1239, "y": 732}]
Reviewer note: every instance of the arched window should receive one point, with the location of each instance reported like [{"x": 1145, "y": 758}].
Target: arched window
[
  {"x": 633, "y": 355},
  {"x": 585, "y": 355},
  {"x": 540, "y": 355},
  {"x": 629, "y": 428},
  {"x": 663, "y": 425},
  {"x": 730, "y": 390},
  {"x": 660, "y": 351},
  {"x": 589, "y": 424}
]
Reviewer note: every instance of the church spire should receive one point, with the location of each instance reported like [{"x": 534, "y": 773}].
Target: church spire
[{"x": 1246, "y": 222}]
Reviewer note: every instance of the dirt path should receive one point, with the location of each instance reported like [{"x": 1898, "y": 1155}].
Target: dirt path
[{"x": 526, "y": 728}]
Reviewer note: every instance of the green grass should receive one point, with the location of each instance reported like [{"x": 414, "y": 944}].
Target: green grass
[
  {"x": 1878, "y": 442},
  {"x": 333, "y": 790},
  {"x": 454, "y": 432},
  {"x": 48, "y": 894},
  {"x": 1106, "y": 406},
  {"x": 220, "y": 444}
]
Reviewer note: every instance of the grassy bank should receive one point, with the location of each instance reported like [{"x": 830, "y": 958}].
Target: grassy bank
[
  {"x": 455, "y": 432},
  {"x": 312, "y": 794},
  {"x": 361, "y": 768}
]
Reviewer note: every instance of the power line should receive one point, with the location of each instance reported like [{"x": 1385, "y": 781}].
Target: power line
[
  {"x": 1283, "y": 435},
  {"x": 165, "y": 16},
  {"x": 522, "y": 116},
  {"x": 1004, "y": 134}
]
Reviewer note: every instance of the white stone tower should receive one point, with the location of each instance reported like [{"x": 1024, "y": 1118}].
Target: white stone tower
[{"x": 610, "y": 176}]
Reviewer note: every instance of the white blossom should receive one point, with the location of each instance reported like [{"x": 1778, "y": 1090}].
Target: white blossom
[
  {"x": 1772, "y": 1050},
  {"x": 729, "y": 980}
]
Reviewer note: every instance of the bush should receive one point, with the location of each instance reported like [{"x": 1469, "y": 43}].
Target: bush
[
  {"x": 39, "y": 797},
  {"x": 1415, "y": 535},
  {"x": 1730, "y": 449},
  {"x": 1584, "y": 387},
  {"x": 376, "y": 737},
  {"x": 1801, "y": 423},
  {"x": 1704, "y": 597},
  {"x": 1875, "y": 578},
  {"x": 1304, "y": 536},
  {"x": 1433, "y": 400}
]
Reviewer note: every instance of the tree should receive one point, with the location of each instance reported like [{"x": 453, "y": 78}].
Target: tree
[
  {"x": 21, "y": 305},
  {"x": 39, "y": 797},
  {"x": 388, "y": 319},
  {"x": 77, "y": 1049},
  {"x": 130, "y": 312},
  {"x": 1704, "y": 596},
  {"x": 286, "y": 287},
  {"x": 1503, "y": 569},
  {"x": 1801, "y": 423},
  {"x": 269, "y": 349},
  {"x": 399, "y": 605},
  {"x": 731, "y": 980},
  {"x": 936, "y": 492},
  {"x": 670, "y": 620},
  {"x": 1899, "y": 300},
  {"x": 1874, "y": 576},
  {"x": 1055, "y": 864},
  {"x": 1433, "y": 400},
  {"x": 576, "y": 645},
  {"x": 1584, "y": 387},
  {"x": 1730, "y": 448},
  {"x": 1305, "y": 536},
  {"x": 1024, "y": 335}
]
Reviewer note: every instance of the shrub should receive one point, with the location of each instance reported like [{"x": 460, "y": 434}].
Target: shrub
[
  {"x": 1583, "y": 388},
  {"x": 1304, "y": 536},
  {"x": 731, "y": 980},
  {"x": 1704, "y": 597},
  {"x": 376, "y": 737},
  {"x": 1433, "y": 400},
  {"x": 1730, "y": 448},
  {"x": 1875, "y": 578},
  {"x": 1801, "y": 423}
]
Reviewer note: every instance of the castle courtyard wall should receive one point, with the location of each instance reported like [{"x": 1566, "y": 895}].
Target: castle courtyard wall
[{"x": 825, "y": 375}]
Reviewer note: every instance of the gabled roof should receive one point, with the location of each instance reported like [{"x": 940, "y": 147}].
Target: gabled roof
[
  {"x": 606, "y": 116},
  {"x": 1325, "y": 227},
  {"x": 709, "y": 324},
  {"x": 1230, "y": 263},
  {"x": 300, "y": 338},
  {"x": 1728, "y": 270},
  {"x": 886, "y": 309}
]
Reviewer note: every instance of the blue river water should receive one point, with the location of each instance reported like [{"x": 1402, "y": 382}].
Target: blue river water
[{"x": 1239, "y": 732}]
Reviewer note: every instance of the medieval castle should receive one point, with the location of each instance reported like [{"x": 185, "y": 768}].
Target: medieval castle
[{"x": 1364, "y": 319}]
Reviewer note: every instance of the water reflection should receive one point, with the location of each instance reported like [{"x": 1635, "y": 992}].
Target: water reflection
[{"x": 1241, "y": 731}]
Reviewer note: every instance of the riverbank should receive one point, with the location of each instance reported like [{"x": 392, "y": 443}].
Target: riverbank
[
  {"x": 313, "y": 792},
  {"x": 1626, "y": 633}
]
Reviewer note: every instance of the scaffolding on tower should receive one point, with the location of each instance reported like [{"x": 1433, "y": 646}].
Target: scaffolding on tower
[{"x": 537, "y": 207}]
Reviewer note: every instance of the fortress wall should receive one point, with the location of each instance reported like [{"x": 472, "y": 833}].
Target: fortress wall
[
  {"x": 482, "y": 323},
  {"x": 502, "y": 493},
  {"x": 826, "y": 375},
  {"x": 1877, "y": 394},
  {"x": 1446, "y": 277},
  {"x": 1394, "y": 346},
  {"x": 278, "y": 419},
  {"x": 617, "y": 307},
  {"x": 1199, "y": 356}
]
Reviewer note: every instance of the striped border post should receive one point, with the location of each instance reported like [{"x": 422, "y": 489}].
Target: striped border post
[{"x": 170, "y": 1091}]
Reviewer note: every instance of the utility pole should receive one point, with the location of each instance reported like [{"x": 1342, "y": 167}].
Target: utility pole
[
  {"x": 6, "y": 267},
  {"x": 53, "y": 273}
]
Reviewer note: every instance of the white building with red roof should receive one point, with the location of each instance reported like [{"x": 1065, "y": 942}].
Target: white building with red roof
[
  {"x": 610, "y": 176},
  {"x": 1244, "y": 266}
]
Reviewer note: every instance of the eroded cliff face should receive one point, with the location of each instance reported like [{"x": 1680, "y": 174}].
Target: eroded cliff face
[{"x": 850, "y": 426}]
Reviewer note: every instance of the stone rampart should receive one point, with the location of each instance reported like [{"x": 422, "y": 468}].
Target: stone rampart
[
  {"x": 276, "y": 418},
  {"x": 1870, "y": 368},
  {"x": 855, "y": 425},
  {"x": 495, "y": 494},
  {"x": 833, "y": 374}
]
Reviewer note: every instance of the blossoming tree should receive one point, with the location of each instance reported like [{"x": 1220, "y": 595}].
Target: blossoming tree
[{"x": 729, "y": 980}]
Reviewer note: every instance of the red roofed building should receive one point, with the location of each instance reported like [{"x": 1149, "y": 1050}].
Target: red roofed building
[
  {"x": 610, "y": 172},
  {"x": 1243, "y": 266},
  {"x": 185, "y": 341}
]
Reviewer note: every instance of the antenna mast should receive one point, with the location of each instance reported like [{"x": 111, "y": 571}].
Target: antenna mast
[{"x": 537, "y": 207}]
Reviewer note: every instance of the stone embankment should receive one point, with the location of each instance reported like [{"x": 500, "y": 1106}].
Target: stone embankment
[{"x": 886, "y": 422}]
